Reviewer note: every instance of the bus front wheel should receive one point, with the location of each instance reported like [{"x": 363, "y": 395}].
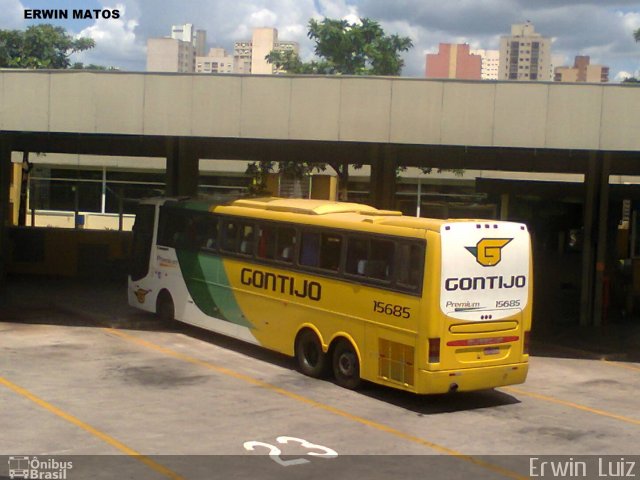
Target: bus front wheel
[
  {"x": 164, "y": 307},
  {"x": 311, "y": 359},
  {"x": 346, "y": 366}
]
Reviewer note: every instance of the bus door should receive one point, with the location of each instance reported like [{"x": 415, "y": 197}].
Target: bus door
[{"x": 484, "y": 293}]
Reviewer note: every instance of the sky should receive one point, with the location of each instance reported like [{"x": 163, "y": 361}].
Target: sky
[{"x": 602, "y": 29}]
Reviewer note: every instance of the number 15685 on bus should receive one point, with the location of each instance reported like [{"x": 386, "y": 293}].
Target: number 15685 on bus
[{"x": 391, "y": 309}]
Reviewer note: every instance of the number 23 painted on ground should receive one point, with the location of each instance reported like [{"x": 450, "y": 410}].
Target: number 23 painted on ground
[{"x": 275, "y": 452}]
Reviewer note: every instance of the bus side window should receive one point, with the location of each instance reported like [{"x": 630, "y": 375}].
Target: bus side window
[
  {"x": 309, "y": 249},
  {"x": 410, "y": 261},
  {"x": 370, "y": 258},
  {"x": 330, "y": 248},
  {"x": 266, "y": 242},
  {"x": 247, "y": 239},
  {"x": 286, "y": 244},
  {"x": 381, "y": 259},
  {"x": 209, "y": 239},
  {"x": 176, "y": 229},
  {"x": 230, "y": 230},
  {"x": 357, "y": 255}
]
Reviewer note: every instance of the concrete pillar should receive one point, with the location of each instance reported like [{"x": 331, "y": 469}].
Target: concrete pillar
[
  {"x": 5, "y": 183},
  {"x": 182, "y": 167},
  {"x": 601, "y": 247},
  {"x": 594, "y": 250},
  {"x": 504, "y": 206},
  {"x": 383, "y": 176}
]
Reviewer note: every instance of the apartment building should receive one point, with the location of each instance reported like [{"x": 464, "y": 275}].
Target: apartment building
[
  {"x": 187, "y": 33},
  {"x": 582, "y": 71},
  {"x": 216, "y": 61},
  {"x": 490, "y": 63},
  {"x": 250, "y": 56},
  {"x": 185, "y": 52},
  {"x": 525, "y": 55},
  {"x": 454, "y": 61},
  {"x": 170, "y": 55}
]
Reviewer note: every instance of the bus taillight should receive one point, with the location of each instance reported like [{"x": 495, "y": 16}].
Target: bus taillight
[
  {"x": 527, "y": 338},
  {"x": 434, "y": 350},
  {"x": 471, "y": 342}
]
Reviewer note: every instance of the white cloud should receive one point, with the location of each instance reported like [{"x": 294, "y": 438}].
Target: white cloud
[
  {"x": 262, "y": 17},
  {"x": 621, "y": 75},
  {"x": 116, "y": 42}
]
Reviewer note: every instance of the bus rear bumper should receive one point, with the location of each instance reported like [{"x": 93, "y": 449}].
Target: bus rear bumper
[{"x": 469, "y": 379}]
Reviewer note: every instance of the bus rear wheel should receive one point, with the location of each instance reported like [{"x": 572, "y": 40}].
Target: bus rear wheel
[
  {"x": 164, "y": 307},
  {"x": 346, "y": 366},
  {"x": 311, "y": 359}
]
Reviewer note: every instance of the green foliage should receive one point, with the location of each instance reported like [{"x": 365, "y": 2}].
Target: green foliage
[
  {"x": 258, "y": 172},
  {"x": 636, "y": 35},
  {"x": 345, "y": 48},
  {"x": 91, "y": 66},
  {"x": 631, "y": 80},
  {"x": 40, "y": 46}
]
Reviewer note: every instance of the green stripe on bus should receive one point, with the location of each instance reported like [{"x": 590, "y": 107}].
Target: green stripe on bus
[{"x": 209, "y": 286}]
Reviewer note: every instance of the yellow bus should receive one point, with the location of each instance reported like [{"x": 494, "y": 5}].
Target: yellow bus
[{"x": 423, "y": 305}]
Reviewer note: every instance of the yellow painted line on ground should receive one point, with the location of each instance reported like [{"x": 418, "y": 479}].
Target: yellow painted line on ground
[
  {"x": 336, "y": 411},
  {"x": 566, "y": 403},
  {"x": 621, "y": 365},
  {"x": 92, "y": 430}
]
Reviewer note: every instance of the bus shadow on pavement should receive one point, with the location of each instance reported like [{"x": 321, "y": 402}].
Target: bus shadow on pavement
[
  {"x": 440, "y": 403},
  {"x": 420, "y": 404}
]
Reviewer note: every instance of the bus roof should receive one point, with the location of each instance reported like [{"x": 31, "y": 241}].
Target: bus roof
[{"x": 342, "y": 212}]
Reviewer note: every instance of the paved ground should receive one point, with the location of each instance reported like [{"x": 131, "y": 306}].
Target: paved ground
[{"x": 86, "y": 379}]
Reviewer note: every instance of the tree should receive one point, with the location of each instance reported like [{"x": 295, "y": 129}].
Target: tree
[
  {"x": 345, "y": 48},
  {"x": 636, "y": 36},
  {"x": 40, "y": 46}
]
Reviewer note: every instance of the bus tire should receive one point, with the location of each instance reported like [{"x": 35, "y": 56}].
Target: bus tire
[
  {"x": 165, "y": 308},
  {"x": 346, "y": 366},
  {"x": 312, "y": 360}
]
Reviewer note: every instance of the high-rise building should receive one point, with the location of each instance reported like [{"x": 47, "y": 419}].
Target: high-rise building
[
  {"x": 490, "y": 63},
  {"x": 176, "y": 53},
  {"x": 453, "y": 61},
  {"x": 525, "y": 55},
  {"x": 169, "y": 55},
  {"x": 187, "y": 33},
  {"x": 582, "y": 71},
  {"x": 185, "y": 51},
  {"x": 216, "y": 61},
  {"x": 250, "y": 56}
]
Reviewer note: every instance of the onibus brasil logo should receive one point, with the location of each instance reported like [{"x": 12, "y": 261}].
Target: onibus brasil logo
[
  {"x": 488, "y": 251},
  {"x": 31, "y": 467}
]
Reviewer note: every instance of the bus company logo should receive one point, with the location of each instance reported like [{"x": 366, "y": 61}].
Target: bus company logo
[
  {"x": 488, "y": 251},
  {"x": 33, "y": 468},
  {"x": 141, "y": 294}
]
